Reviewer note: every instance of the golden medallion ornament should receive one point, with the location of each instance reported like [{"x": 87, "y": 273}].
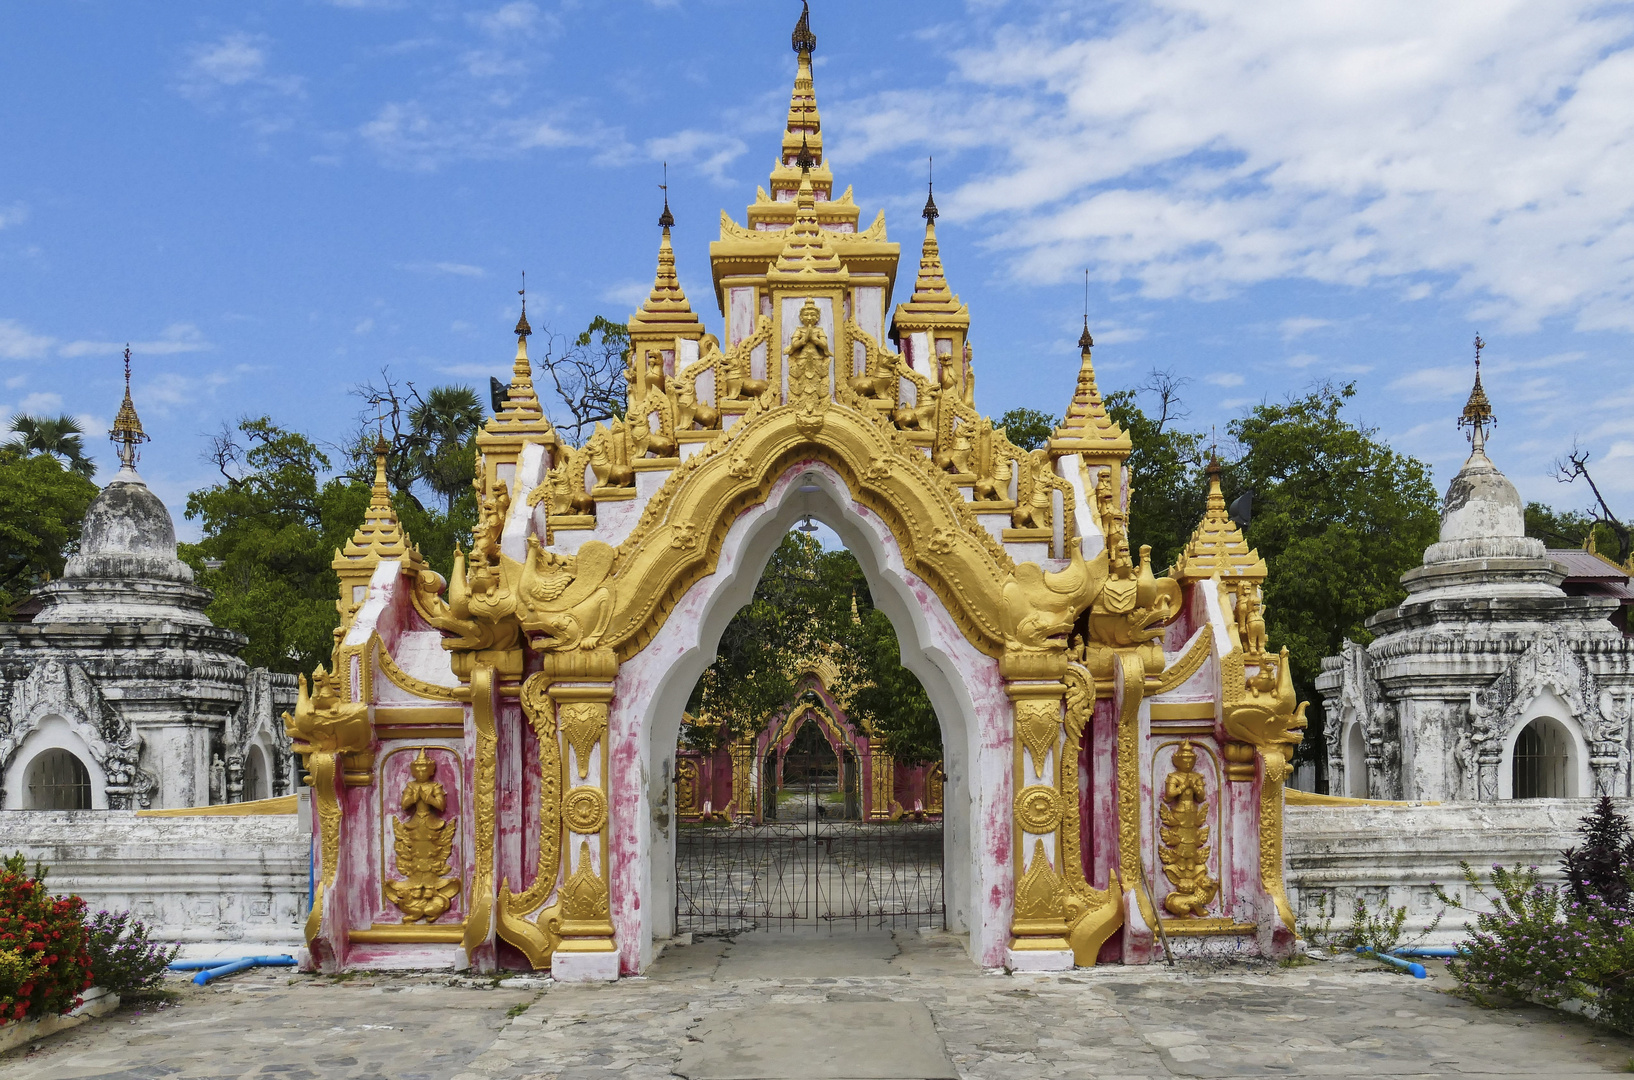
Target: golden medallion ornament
[
  {"x": 585, "y": 809},
  {"x": 1038, "y": 809}
]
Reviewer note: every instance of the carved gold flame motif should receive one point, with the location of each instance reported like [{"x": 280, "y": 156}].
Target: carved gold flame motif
[
  {"x": 1184, "y": 834},
  {"x": 424, "y": 846}
]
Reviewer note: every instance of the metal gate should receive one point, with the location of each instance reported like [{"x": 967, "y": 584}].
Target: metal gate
[{"x": 811, "y": 863}]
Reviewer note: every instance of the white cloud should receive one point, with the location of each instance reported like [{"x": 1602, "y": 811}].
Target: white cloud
[
  {"x": 1119, "y": 335},
  {"x": 629, "y": 293},
  {"x": 1300, "y": 325},
  {"x": 411, "y": 135},
  {"x": 18, "y": 342},
  {"x": 176, "y": 338},
  {"x": 514, "y": 18},
  {"x": 363, "y": 326},
  {"x": 237, "y": 60},
  {"x": 1300, "y": 361},
  {"x": 709, "y": 152},
  {"x": 15, "y": 214},
  {"x": 472, "y": 371},
  {"x": 1224, "y": 378},
  {"x": 1436, "y": 381},
  {"x": 41, "y": 404},
  {"x": 453, "y": 268},
  {"x": 1473, "y": 148}
]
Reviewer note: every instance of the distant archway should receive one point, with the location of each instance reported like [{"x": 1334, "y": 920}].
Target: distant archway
[{"x": 1355, "y": 761}]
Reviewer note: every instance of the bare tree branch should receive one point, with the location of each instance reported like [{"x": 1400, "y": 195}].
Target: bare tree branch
[
  {"x": 1167, "y": 386},
  {"x": 586, "y": 375},
  {"x": 1576, "y": 464}
]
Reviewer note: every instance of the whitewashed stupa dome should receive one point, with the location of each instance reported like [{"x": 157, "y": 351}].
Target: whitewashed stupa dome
[{"x": 128, "y": 532}]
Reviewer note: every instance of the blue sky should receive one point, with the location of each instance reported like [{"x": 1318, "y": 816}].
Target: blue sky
[{"x": 272, "y": 202}]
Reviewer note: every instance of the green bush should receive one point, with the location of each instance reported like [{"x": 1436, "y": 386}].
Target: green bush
[{"x": 124, "y": 959}]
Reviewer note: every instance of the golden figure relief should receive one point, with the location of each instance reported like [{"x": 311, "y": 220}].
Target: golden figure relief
[
  {"x": 1185, "y": 834},
  {"x": 686, "y": 789},
  {"x": 810, "y": 359},
  {"x": 567, "y": 600},
  {"x": 424, "y": 846}
]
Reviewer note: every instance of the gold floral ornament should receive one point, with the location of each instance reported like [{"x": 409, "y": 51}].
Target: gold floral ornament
[
  {"x": 1038, "y": 809},
  {"x": 424, "y": 847},
  {"x": 585, "y": 810},
  {"x": 1185, "y": 833}
]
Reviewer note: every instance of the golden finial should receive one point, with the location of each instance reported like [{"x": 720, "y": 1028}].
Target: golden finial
[
  {"x": 804, "y": 159},
  {"x": 930, "y": 213},
  {"x": 805, "y": 42},
  {"x": 666, "y": 308},
  {"x": 1477, "y": 414},
  {"x": 666, "y": 220},
  {"x": 1085, "y": 340},
  {"x": 127, "y": 426},
  {"x": 522, "y": 328},
  {"x": 1217, "y": 545}
]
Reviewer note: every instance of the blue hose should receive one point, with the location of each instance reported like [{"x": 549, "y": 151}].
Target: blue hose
[
  {"x": 219, "y": 966},
  {"x": 1445, "y": 952},
  {"x": 1416, "y": 969}
]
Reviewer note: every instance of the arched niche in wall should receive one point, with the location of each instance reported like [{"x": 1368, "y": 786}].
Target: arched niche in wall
[
  {"x": 1545, "y": 754},
  {"x": 1355, "y": 751},
  {"x": 53, "y": 733}
]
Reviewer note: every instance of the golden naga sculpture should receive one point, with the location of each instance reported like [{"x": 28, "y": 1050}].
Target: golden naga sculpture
[
  {"x": 567, "y": 600},
  {"x": 424, "y": 847},
  {"x": 1262, "y": 710},
  {"x": 325, "y": 723},
  {"x": 1184, "y": 834},
  {"x": 479, "y": 614},
  {"x": 1040, "y": 608}
]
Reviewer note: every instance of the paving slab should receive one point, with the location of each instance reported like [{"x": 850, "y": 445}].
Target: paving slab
[
  {"x": 823, "y": 1040},
  {"x": 832, "y": 1001}
]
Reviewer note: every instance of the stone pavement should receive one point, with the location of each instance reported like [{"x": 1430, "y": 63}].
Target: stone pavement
[{"x": 852, "y": 1006}]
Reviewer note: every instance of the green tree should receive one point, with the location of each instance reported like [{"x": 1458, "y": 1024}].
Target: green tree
[
  {"x": 1338, "y": 517},
  {"x": 443, "y": 427},
  {"x": 1027, "y": 428},
  {"x": 60, "y": 438},
  {"x": 1566, "y": 528},
  {"x": 889, "y": 697},
  {"x": 42, "y": 505},
  {"x": 1165, "y": 466},
  {"x": 271, "y": 528}
]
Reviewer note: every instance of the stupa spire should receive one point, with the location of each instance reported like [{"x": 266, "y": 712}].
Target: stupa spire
[
  {"x": 1087, "y": 429},
  {"x": 521, "y": 401},
  {"x": 1217, "y": 545},
  {"x": 931, "y": 293},
  {"x": 127, "y": 426},
  {"x": 666, "y": 310},
  {"x": 1477, "y": 414},
  {"x": 803, "y": 134},
  {"x": 380, "y": 537}
]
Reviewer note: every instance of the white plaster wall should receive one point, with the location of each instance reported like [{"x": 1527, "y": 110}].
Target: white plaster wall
[
  {"x": 964, "y": 687},
  {"x": 189, "y": 878},
  {"x": 1392, "y": 855},
  {"x": 53, "y": 733}
]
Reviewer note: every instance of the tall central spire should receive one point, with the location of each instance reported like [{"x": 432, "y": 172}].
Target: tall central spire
[
  {"x": 803, "y": 135},
  {"x": 127, "y": 426}
]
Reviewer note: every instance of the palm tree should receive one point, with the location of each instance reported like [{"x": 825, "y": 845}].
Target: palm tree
[
  {"x": 443, "y": 424},
  {"x": 61, "y": 438}
]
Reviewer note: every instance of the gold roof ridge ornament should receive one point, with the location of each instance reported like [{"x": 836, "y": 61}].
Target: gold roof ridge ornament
[
  {"x": 1477, "y": 414},
  {"x": 933, "y": 302},
  {"x": 520, "y": 411},
  {"x": 1087, "y": 429},
  {"x": 379, "y": 537},
  {"x": 1217, "y": 545},
  {"x": 127, "y": 426}
]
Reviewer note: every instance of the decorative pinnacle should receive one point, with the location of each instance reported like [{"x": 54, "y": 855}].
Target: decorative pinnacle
[
  {"x": 522, "y": 328},
  {"x": 804, "y": 158},
  {"x": 805, "y": 42},
  {"x": 1085, "y": 341},
  {"x": 1477, "y": 414},
  {"x": 666, "y": 220},
  {"x": 930, "y": 213},
  {"x": 127, "y": 426}
]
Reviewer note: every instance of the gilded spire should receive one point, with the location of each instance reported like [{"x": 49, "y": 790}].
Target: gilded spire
[
  {"x": 1217, "y": 545},
  {"x": 1477, "y": 414},
  {"x": 521, "y": 408},
  {"x": 806, "y": 250},
  {"x": 931, "y": 294},
  {"x": 127, "y": 426},
  {"x": 1087, "y": 428},
  {"x": 803, "y": 136},
  {"x": 379, "y": 537},
  {"x": 666, "y": 309}
]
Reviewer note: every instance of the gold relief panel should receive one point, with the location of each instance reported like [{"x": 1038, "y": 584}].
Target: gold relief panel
[
  {"x": 423, "y": 844},
  {"x": 1186, "y": 810}
]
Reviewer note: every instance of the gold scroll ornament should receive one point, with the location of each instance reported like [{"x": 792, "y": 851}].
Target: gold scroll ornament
[{"x": 424, "y": 847}]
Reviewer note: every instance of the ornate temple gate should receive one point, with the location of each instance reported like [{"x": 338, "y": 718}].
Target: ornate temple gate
[
  {"x": 491, "y": 756},
  {"x": 810, "y": 859}
]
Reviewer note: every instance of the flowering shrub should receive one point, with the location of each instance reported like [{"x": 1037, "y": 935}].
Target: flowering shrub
[
  {"x": 43, "y": 961},
  {"x": 1548, "y": 944},
  {"x": 123, "y": 958}
]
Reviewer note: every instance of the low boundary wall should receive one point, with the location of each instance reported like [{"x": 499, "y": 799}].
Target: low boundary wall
[{"x": 217, "y": 878}]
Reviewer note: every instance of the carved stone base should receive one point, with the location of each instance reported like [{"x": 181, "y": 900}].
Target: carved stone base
[
  {"x": 584, "y": 967},
  {"x": 1038, "y": 959}
]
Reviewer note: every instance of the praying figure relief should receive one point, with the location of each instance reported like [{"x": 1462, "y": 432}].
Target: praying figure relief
[
  {"x": 1184, "y": 853},
  {"x": 425, "y": 844},
  {"x": 809, "y": 357}
]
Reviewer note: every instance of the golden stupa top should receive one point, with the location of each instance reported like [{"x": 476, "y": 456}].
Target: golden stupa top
[
  {"x": 803, "y": 135},
  {"x": 380, "y": 536},
  {"x": 520, "y": 413},
  {"x": 1087, "y": 429},
  {"x": 933, "y": 302},
  {"x": 1477, "y": 414},
  {"x": 127, "y": 426},
  {"x": 807, "y": 255},
  {"x": 666, "y": 310},
  {"x": 1217, "y": 545}
]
